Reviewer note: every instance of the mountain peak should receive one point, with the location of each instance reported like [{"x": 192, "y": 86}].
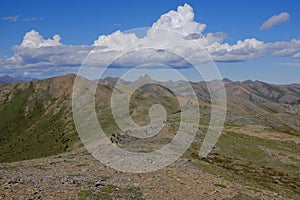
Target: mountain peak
[
  {"x": 144, "y": 79},
  {"x": 227, "y": 80}
]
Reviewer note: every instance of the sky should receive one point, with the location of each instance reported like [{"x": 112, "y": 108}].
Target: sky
[{"x": 250, "y": 39}]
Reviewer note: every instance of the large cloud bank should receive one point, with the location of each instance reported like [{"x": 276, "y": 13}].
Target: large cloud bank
[{"x": 175, "y": 30}]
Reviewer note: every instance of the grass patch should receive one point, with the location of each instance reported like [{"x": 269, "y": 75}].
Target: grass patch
[
  {"x": 8, "y": 167},
  {"x": 82, "y": 165},
  {"x": 220, "y": 185},
  {"x": 28, "y": 130},
  {"x": 41, "y": 167},
  {"x": 104, "y": 178},
  {"x": 145, "y": 151},
  {"x": 239, "y": 158}
]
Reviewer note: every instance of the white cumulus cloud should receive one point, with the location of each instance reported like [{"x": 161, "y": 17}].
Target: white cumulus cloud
[
  {"x": 175, "y": 32},
  {"x": 276, "y": 19},
  {"x": 181, "y": 20},
  {"x": 284, "y": 52},
  {"x": 33, "y": 39}
]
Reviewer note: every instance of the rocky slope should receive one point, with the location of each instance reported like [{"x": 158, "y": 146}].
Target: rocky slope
[{"x": 78, "y": 175}]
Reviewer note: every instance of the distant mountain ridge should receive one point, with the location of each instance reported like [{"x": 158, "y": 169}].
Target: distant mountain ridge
[
  {"x": 11, "y": 79},
  {"x": 36, "y": 117}
]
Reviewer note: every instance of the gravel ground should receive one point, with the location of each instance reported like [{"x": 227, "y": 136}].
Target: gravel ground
[{"x": 65, "y": 175}]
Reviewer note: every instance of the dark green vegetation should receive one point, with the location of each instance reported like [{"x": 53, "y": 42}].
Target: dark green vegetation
[
  {"x": 36, "y": 117},
  {"x": 33, "y": 123},
  {"x": 111, "y": 192},
  {"x": 253, "y": 162}
]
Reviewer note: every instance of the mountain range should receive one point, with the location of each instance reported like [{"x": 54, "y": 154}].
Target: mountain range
[
  {"x": 36, "y": 116},
  {"x": 10, "y": 79}
]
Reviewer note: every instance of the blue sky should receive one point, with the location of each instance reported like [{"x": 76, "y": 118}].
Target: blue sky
[{"x": 82, "y": 22}]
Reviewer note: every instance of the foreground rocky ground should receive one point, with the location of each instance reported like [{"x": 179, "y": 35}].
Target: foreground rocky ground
[{"x": 77, "y": 175}]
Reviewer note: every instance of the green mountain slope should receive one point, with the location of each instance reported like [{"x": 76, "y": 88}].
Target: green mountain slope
[{"x": 36, "y": 117}]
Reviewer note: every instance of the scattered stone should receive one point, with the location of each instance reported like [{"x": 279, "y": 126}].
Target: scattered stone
[
  {"x": 65, "y": 181},
  {"x": 13, "y": 181}
]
